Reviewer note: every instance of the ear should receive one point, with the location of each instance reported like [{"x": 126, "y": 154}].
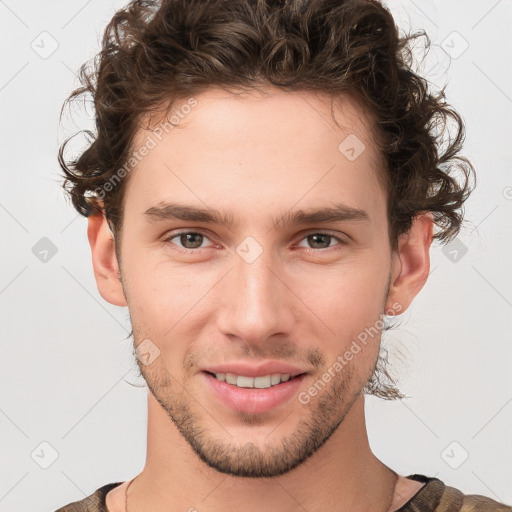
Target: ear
[
  {"x": 410, "y": 263},
  {"x": 104, "y": 260}
]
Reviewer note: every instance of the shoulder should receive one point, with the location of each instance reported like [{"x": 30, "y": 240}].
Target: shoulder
[
  {"x": 93, "y": 503},
  {"x": 436, "y": 496},
  {"x": 478, "y": 503}
]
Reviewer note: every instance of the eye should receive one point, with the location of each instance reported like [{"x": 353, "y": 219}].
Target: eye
[
  {"x": 190, "y": 240},
  {"x": 322, "y": 240}
]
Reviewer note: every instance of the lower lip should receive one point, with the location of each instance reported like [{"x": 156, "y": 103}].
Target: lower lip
[{"x": 253, "y": 400}]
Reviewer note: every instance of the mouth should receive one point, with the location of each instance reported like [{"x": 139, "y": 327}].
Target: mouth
[
  {"x": 253, "y": 395},
  {"x": 261, "y": 382}
]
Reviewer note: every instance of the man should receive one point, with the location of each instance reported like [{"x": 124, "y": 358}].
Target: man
[{"x": 262, "y": 193}]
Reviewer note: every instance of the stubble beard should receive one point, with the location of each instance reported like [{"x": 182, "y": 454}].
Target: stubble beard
[{"x": 321, "y": 417}]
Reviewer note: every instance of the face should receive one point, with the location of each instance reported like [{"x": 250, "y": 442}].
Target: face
[{"x": 269, "y": 286}]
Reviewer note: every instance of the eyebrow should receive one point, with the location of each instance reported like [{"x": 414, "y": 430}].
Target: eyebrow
[{"x": 174, "y": 211}]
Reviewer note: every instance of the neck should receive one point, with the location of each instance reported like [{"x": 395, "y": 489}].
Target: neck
[{"x": 342, "y": 475}]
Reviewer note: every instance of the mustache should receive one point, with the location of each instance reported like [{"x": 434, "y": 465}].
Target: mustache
[{"x": 280, "y": 352}]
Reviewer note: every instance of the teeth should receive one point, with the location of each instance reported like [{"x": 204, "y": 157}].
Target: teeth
[
  {"x": 245, "y": 382},
  {"x": 275, "y": 379},
  {"x": 262, "y": 382},
  {"x": 230, "y": 378}
]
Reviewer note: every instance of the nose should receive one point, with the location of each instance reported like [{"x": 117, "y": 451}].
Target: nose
[{"x": 255, "y": 301}]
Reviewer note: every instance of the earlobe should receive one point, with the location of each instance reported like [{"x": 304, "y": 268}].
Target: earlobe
[
  {"x": 411, "y": 263},
  {"x": 104, "y": 260}
]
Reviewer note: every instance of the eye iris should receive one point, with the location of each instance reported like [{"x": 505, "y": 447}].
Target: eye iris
[
  {"x": 318, "y": 236},
  {"x": 186, "y": 237},
  {"x": 319, "y": 240}
]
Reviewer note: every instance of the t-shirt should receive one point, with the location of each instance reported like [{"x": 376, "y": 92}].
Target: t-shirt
[{"x": 434, "y": 496}]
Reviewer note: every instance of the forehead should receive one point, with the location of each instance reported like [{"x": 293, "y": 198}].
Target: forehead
[
  {"x": 271, "y": 111},
  {"x": 264, "y": 141}
]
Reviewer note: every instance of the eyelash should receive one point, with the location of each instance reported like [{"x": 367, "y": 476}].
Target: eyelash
[{"x": 171, "y": 236}]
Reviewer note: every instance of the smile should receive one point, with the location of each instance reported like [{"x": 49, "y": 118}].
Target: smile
[
  {"x": 253, "y": 395},
  {"x": 262, "y": 382}
]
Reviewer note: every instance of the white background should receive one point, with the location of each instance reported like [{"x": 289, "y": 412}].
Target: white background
[{"x": 67, "y": 375}]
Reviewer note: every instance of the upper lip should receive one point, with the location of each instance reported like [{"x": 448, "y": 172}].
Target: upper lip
[{"x": 256, "y": 370}]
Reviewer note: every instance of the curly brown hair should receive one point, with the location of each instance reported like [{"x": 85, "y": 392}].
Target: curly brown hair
[{"x": 155, "y": 52}]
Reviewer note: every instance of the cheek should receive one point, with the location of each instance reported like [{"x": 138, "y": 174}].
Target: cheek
[
  {"x": 349, "y": 301},
  {"x": 157, "y": 285},
  {"x": 352, "y": 292},
  {"x": 167, "y": 301}
]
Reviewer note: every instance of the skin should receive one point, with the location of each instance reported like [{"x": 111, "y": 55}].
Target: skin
[{"x": 302, "y": 300}]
